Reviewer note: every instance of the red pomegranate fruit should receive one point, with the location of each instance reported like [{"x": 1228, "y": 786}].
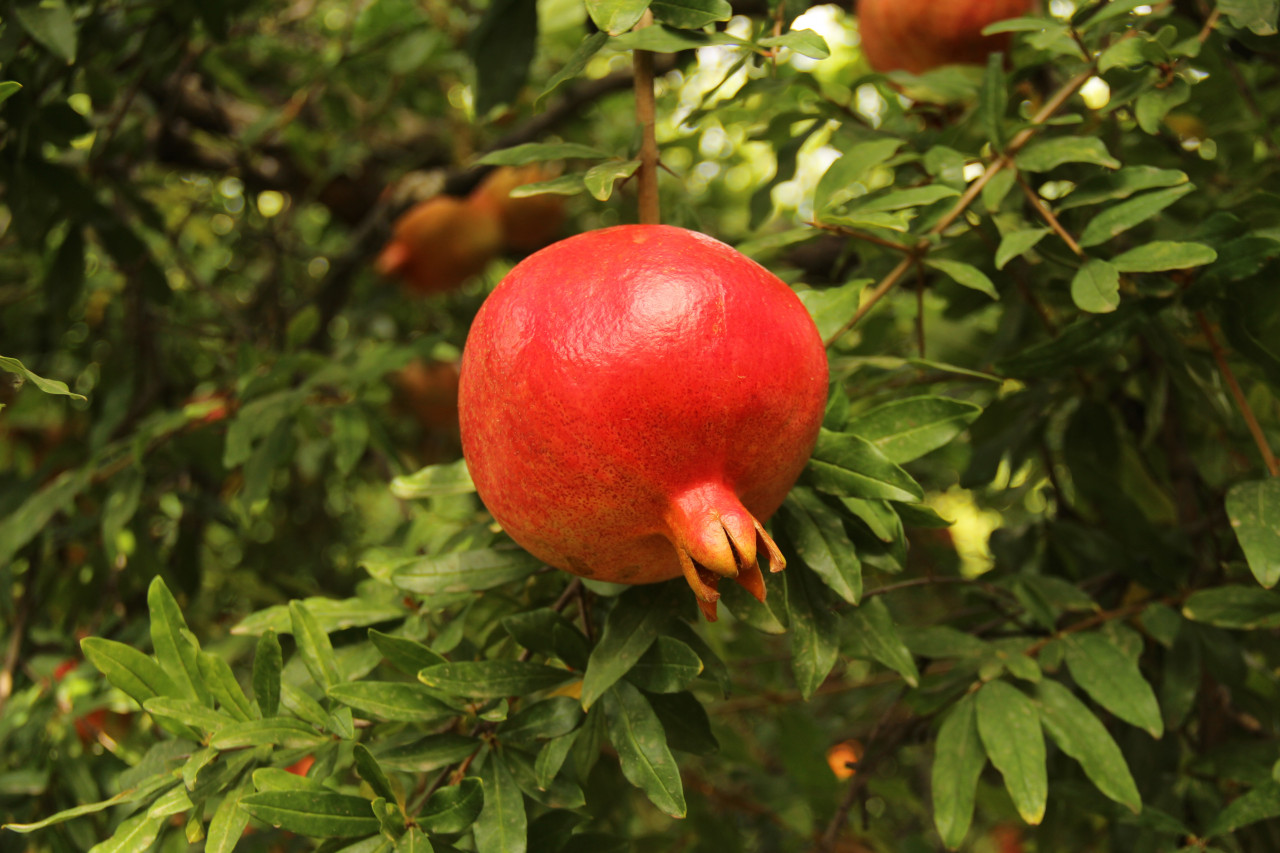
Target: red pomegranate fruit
[
  {"x": 917, "y": 35},
  {"x": 634, "y": 401}
]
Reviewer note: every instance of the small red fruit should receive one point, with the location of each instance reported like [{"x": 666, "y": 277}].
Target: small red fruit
[
  {"x": 917, "y": 35},
  {"x": 634, "y": 401}
]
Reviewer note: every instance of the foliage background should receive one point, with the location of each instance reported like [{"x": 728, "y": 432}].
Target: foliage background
[{"x": 192, "y": 196}]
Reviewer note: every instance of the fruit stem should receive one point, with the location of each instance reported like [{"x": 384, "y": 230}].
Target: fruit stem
[{"x": 647, "y": 175}]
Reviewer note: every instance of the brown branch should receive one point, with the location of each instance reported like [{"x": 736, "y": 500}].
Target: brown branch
[
  {"x": 877, "y": 748},
  {"x": 647, "y": 174},
  {"x": 1242, "y": 403}
]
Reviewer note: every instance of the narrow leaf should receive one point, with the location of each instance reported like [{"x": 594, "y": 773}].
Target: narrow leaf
[
  {"x": 502, "y": 826},
  {"x": 493, "y": 679},
  {"x": 1112, "y": 679},
  {"x": 1009, "y": 726},
  {"x": 453, "y": 809},
  {"x": 629, "y": 631},
  {"x": 314, "y": 646},
  {"x": 1080, "y": 734},
  {"x": 637, "y": 735},
  {"x": 321, "y": 814},
  {"x": 958, "y": 759}
]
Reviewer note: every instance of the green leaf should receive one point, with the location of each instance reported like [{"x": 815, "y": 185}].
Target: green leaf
[
  {"x": 1096, "y": 287},
  {"x": 616, "y": 16},
  {"x": 392, "y": 700},
  {"x": 904, "y": 430},
  {"x": 667, "y": 667},
  {"x": 685, "y": 721},
  {"x": 641, "y": 742},
  {"x": 1239, "y": 607},
  {"x": 832, "y": 307},
  {"x": 176, "y": 652},
  {"x": 350, "y": 436},
  {"x": 8, "y": 88},
  {"x": 1121, "y": 217},
  {"x": 330, "y": 614},
  {"x": 406, "y": 655},
  {"x": 503, "y": 826},
  {"x": 993, "y": 100},
  {"x": 52, "y": 25},
  {"x": 550, "y": 718},
  {"x": 372, "y": 774},
  {"x": 1258, "y": 16},
  {"x": 664, "y": 39},
  {"x": 1121, "y": 185},
  {"x": 1080, "y": 734},
  {"x": 1047, "y": 154},
  {"x": 1017, "y": 243},
  {"x": 1154, "y": 104},
  {"x": 319, "y": 814},
  {"x": 814, "y": 630},
  {"x": 502, "y": 46},
  {"x": 143, "y": 790},
  {"x": 898, "y": 199},
  {"x": 539, "y": 152},
  {"x": 188, "y": 712},
  {"x": 629, "y": 631},
  {"x": 314, "y": 646},
  {"x": 1009, "y": 726},
  {"x": 468, "y": 571},
  {"x": 1164, "y": 255},
  {"x": 222, "y": 683},
  {"x": 128, "y": 669},
  {"x": 1254, "y": 510},
  {"x": 280, "y": 779},
  {"x": 1262, "y": 803},
  {"x": 120, "y": 507},
  {"x": 958, "y": 759},
  {"x": 551, "y": 758},
  {"x": 745, "y": 608},
  {"x": 276, "y": 731},
  {"x": 966, "y": 275},
  {"x": 848, "y": 465},
  {"x": 430, "y": 753},
  {"x": 493, "y": 679},
  {"x": 600, "y": 178},
  {"x": 1112, "y": 679},
  {"x": 547, "y": 632},
  {"x": 804, "y": 42},
  {"x": 819, "y": 539},
  {"x": 229, "y": 822},
  {"x": 268, "y": 661},
  {"x": 414, "y": 841},
  {"x": 874, "y": 630},
  {"x": 136, "y": 834},
  {"x": 434, "y": 481},
  {"x": 453, "y": 809},
  {"x": 845, "y": 177},
  {"x": 32, "y": 516},
  {"x": 557, "y": 794},
  {"x": 691, "y": 14},
  {"x": 574, "y": 67}
]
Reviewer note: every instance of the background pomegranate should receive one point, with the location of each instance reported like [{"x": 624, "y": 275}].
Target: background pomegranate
[
  {"x": 635, "y": 400},
  {"x": 917, "y": 35}
]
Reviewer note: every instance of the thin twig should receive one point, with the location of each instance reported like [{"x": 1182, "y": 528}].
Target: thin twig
[
  {"x": 1242, "y": 403},
  {"x": 1047, "y": 215},
  {"x": 647, "y": 175},
  {"x": 859, "y": 235},
  {"x": 875, "y": 751},
  {"x": 925, "y": 243}
]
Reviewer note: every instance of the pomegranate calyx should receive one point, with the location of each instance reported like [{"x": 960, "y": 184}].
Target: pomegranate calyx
[{"x": 717, "y": 537}]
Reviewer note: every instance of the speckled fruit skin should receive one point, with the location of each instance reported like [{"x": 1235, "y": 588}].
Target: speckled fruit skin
[
  {"x": 635, "y": 400},
  {"x": 917, "y": 35}
]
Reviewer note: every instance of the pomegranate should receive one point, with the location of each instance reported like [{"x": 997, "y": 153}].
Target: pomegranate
[
  {"x": 634, "y": 401},
  {"x": 917, "y": 35},
  {"x": 439, "y": 243}
]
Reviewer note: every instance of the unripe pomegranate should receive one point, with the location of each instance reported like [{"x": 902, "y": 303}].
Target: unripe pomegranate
[
  {"x": 634, "y": 401},
  {"x": 440, "y": 243},
  {"x": 917, "y": 35}
]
